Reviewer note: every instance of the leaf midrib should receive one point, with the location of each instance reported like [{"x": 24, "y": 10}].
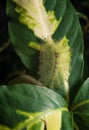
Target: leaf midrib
[
  {"x": 46, "y": 28},
  {"x": 79, "y": 105},
  {"x": 36, "y": 118}
]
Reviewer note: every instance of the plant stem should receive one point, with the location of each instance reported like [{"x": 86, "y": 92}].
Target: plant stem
[
  {"x": 5, "y": 46},
  {"x": 24, "y": 78}
]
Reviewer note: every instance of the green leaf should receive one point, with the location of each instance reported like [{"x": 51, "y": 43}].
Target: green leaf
[
  {"x": 80, "y": 105},
  {"x": 25, "y": 106},
  {"x": 82, "y": 99},
  {"x": 67, "y": 118},
  {"x": 80, "y": 123},
  {"x": 49, "y": 23},
  {"x": 84, "y": 120}
]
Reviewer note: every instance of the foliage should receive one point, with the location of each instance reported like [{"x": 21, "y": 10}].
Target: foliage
[{"x": 48, "y": 38}]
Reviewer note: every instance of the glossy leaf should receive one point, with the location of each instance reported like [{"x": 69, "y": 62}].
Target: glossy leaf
[
  {"x": 82, "y": 99},
  {"x": 67, "y": 118},
  {"x": 80, "y": 105},
  {"x": 25, "y": 106},
  {"x": 42, "y": 23}
]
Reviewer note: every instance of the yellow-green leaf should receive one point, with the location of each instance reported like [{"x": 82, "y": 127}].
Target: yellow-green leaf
[
  {"x": 2, "y": 127},
  {"x": 53, "y": 120},
  {"x": 34, "y": 15}
]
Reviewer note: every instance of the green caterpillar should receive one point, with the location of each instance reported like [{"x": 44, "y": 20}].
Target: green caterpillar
[{"x": 54, "y": 66}]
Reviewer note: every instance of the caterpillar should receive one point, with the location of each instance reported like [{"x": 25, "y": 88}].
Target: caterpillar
[{"x": 54, "y": 64}]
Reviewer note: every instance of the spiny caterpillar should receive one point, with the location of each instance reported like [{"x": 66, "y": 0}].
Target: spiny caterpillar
[{"x": 54, "y": 67}]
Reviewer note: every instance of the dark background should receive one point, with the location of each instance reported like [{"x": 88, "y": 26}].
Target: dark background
[{"x": 10, "y": 62}]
